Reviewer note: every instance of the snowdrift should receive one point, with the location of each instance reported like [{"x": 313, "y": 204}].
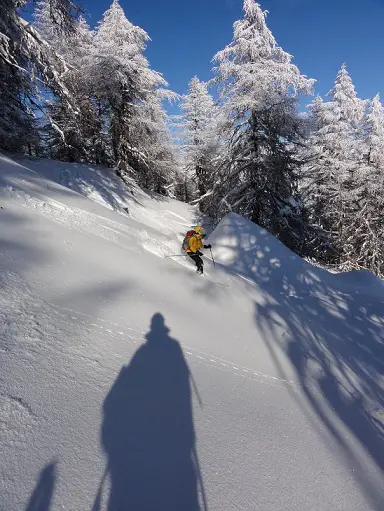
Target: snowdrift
[
  {"x": 245, "y": 248},
  {"x": 252, "y": 253},
  {"x": 152, "y": 388}
]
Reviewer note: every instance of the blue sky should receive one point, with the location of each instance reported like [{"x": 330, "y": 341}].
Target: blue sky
[{"x": 320, "y": 34}]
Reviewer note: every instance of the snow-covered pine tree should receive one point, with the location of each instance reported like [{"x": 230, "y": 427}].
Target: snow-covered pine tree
[
  {"x": 127, "y": 89},
  {"x": 16, "y": 120},
  {"x": 364, "y": 247},
  {"x": 151, "y": 133},
  {"x": 259, "y": 85},
  {"x": 331, "y": 176},
  {"x": 49, "y": 27},
  {"x": 63, "y": 14},
  {"x": 71, "y": 135},
  {"x": 26, "y": 58},
  {"x": 93, "y": 137},
  {"x": 374, "y": 134},
  {"x": 311, "y": 190},
  {"x": 119, "y": 119},
  {"x": 198, "y": 123}
]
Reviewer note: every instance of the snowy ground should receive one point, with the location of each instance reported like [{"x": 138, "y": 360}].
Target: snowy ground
[{"x": 130, "y": 383}]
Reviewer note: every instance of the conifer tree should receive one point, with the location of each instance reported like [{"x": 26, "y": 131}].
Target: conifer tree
[
  {"x": 259, "y": 85},
  {"x": 25, "y": 61},
  {"x": 200, "y": 141}
]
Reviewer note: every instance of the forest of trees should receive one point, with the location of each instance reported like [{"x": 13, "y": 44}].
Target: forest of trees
[
  {"x": 83, "y": 95},
  {"x": 314, "y": 179}
]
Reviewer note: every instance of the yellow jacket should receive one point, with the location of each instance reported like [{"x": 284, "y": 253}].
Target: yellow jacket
[{"x": 195, "y": 244}]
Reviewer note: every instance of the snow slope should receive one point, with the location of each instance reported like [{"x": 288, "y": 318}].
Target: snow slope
[{"x": 128, "y": 382}]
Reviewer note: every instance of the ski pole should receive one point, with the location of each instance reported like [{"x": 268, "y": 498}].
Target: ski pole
[
  {"x": 214, "y": 263},
  {"x": 175, "y": 255}
]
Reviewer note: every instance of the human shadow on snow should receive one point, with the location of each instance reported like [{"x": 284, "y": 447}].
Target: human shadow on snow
[
  {"x": 148, "y": 432},
  {"x": 42, "y": 495}
]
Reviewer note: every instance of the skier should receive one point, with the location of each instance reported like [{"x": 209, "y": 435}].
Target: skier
[{"x": 192, "y": 244}]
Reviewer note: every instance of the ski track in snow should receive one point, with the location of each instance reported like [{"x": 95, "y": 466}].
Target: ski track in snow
[
  {"x": 198, "y": 356},
  {"x": 90, "y": 223},
  {"x": 66, "y": 318}
]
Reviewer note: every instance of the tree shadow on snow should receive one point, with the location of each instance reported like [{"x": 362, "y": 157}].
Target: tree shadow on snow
[
  {"x": 148, "y": 432},
  {"x": 330, "y": 330},
  {"x": 42, "y": 495}
]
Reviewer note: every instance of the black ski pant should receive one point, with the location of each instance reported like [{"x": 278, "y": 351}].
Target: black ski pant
[{"x": 196, "y": 258}]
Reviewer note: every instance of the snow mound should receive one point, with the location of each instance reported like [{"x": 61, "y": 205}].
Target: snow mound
[
  {"x": 247, "y": 250},
  {"x": 102, "y": 186},
  {"x": 251, "y": 252},
  {"x": 88, "y": 197},
  {"x": 237, "y": 239},
  {"x": 95, "y": 182}
]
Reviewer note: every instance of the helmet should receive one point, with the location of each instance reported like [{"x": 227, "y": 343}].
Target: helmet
[{"x": 200, "y": 231}]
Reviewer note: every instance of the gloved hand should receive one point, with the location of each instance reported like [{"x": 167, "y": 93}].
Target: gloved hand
[
  {"x": 207, "y": 246},
  {"x": 199, "y": 253}
]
